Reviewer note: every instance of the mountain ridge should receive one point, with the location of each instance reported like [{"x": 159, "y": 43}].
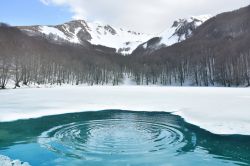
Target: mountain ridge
[
  {"x": 79, "y": 31},
  {"x": 123, "y": 41}
]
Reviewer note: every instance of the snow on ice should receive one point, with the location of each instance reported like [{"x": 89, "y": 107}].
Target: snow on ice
[{"x": 218, "y": 110}]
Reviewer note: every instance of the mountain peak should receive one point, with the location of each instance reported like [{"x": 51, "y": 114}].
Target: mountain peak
[
  {"x": 182, "y": 29},
  {"x": 179, "y": 31}
]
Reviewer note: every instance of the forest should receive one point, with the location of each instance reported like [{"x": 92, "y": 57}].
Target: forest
[{"x": 218, "y": 54}]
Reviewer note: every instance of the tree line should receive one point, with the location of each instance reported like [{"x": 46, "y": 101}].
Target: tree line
[
  {"x": 212, "y": 61},
  {"x": 26, "y": 60}
]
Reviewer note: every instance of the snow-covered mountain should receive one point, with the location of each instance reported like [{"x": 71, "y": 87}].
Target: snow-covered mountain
[
  {"x": 79, "y": 31},
  {"x": 182, "y": 29},
  {"x": 179, "y": 31},
  {"x": 124, "y": 41}
]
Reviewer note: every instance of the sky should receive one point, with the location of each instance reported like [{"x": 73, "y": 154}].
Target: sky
[{"x": 149, "y": 16}]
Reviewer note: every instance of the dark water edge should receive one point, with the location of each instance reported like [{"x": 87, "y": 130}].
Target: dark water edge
[{"x": 179, "y": 143}]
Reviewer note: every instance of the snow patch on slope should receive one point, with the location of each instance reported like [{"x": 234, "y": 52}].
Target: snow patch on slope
[
  {"x": 57, "y": 34},
  {"x": 182, "y": 29},
  {"x": 167, "y": 37},
  {"x": 52, "y": 31},
  {"x": 123, "y": 41}
]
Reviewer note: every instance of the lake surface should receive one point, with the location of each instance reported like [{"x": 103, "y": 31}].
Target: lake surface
[{"x": 114, "y": 137}]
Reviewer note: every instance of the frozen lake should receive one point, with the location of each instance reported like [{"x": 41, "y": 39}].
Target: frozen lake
[{"x": 218, "y": 110}]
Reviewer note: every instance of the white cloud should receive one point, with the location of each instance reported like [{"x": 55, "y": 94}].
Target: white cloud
[
  {"x": 46, "y": 2},
  {"x": 144, "y": 15}
]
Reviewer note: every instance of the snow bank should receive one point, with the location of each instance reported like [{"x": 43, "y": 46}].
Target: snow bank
[
  {"x": 6, "y": 161},
  {"x": 218, "y": 110}
]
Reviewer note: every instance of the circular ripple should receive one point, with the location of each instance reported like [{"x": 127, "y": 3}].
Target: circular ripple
[{"x": 117, "y": 137}]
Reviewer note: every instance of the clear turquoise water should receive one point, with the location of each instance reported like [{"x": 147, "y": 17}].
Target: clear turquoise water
[{"x": 119, "y": 138}]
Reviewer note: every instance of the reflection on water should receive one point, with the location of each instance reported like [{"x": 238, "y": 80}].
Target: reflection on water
[{"x": 119, "y": 138}]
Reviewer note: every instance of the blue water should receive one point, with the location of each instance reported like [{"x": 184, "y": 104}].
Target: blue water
[{"x": 114, "y": 137}]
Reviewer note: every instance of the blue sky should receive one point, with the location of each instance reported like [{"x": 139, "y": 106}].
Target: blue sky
[{"x": 30, "y": 12}]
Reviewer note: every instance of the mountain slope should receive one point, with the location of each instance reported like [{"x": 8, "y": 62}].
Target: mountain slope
[
  {"x": 181, "y": 30},
  {"x": 217, "y": 53},
  {"x": 79, "y": 31}
]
